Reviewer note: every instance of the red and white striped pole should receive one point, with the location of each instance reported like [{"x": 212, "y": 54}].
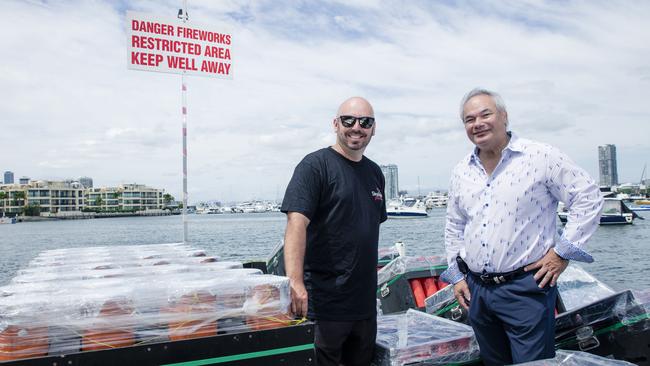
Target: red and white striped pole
[{"x": 184, "y": 17}]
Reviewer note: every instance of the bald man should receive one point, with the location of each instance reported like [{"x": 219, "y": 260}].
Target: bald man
[{"x": 334, "y": 205}]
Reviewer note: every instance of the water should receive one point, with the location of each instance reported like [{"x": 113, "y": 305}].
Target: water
[{"x": 620, "y": 251}]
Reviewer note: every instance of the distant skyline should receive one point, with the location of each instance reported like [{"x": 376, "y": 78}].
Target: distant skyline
[{"x": 573, "y": 74}]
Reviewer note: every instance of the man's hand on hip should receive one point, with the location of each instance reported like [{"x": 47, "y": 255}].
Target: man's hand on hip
[
  {"x": 461, "y": 292},
  {"x": 550, "y": 268},
  {"x": 298, "y": 298}
]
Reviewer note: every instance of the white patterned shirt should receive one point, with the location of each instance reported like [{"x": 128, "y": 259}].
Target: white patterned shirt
[{"x": 501, "y": 222}]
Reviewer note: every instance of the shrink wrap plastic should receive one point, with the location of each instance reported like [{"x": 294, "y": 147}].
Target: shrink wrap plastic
[
  {"x": 578, "y": 288},
  {"x": 577, "y": 358},
  {"x": 100, "y": 298},
  {"x": 401, "y": 265},
  {"x": 415, "y": 336},
  {"x": 441, "y": 300},
  {"x": 643, "y": 298},
  {"x": 388, "y": 253}
]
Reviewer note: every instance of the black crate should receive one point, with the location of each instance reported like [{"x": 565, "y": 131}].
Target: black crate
[
  {"x": 396, "y": 294},
  {"x": 615, "y": 327},
  {"x": 275, "y": 265},
  {"x": 257, "y": 265},
  {"x": 282, "y": 346}
]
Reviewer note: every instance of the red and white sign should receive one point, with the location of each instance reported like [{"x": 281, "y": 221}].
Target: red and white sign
[{"x": 169, "y": 45}]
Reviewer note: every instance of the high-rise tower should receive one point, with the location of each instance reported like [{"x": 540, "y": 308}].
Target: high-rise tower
[
  {"x": 607, "y": 165},
  {"x": 392, "y": 182}
]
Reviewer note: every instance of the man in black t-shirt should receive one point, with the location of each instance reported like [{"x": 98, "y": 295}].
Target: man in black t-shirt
[{"x": 334, "y": 205}]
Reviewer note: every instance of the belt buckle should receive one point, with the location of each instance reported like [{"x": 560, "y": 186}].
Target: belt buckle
[{"x": 485, "y": 278}]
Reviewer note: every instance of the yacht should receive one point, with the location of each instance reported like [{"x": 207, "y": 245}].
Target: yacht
[
  {"x": 436, "y": 200},
  {"x": 615, "y": 212},
  {"x": 406, "y": 207}
]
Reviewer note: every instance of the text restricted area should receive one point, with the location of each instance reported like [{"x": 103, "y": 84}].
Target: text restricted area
[{"x": 169, "y": 45}]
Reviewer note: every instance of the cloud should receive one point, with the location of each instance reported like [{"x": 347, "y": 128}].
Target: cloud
[{"x": 573, "y": 74}]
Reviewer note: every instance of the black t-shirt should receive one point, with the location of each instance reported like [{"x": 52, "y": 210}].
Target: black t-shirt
[{"x": 344, "y": 201}]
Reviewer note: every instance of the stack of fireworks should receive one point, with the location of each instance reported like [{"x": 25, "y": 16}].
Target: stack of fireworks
[
  {"x": 83, "y": 299},
  {"x": 417, "y": 337}
]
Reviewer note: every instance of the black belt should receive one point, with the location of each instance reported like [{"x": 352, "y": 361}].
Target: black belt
[{"x": 498, "y": 278}]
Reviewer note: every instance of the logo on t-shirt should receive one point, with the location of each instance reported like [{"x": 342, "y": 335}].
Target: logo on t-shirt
[{"x": 377, "y": 196}]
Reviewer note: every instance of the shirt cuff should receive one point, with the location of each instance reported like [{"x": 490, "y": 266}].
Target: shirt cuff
[
  {"x": 568, "y": 251},
  {"x": 452, "y": 274}
]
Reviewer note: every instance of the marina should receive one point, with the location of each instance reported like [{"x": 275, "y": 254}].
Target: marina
[{"x": 253, "y": 236}]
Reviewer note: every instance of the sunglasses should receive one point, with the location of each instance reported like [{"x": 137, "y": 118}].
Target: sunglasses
[{"x": 364, "y": 122}]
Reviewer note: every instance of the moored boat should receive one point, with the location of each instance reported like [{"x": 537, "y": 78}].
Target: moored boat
[
  {"x": 7, "y": 220},
  {"x": 615, "y": 212},
  {"x": 406, "y": 207}
]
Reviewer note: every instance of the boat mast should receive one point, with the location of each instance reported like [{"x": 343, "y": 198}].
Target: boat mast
[
  {"x": 182, "y": 15},
  {"x": 643, "y": 174}
]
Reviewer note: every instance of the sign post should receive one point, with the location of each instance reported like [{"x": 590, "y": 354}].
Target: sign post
[{"x": 165, "y": 45}]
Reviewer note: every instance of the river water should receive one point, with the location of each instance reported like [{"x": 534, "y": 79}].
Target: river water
[{"x": 621, "y": 252}]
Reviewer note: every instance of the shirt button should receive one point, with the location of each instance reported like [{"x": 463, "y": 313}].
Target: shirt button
[
  {"x": 483, "y": 244},
  {"x": 487, "y": 204},
  {"x": 488, "y": 184},
  {"x": 484, "y": 225}
]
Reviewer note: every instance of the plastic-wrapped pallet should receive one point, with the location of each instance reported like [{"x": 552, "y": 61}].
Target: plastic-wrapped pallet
[
  {"x": 78, "y": 310},
  {"x": 576, "y": 358},
  {"x": 616, "y": 326},
  {"x": 415, "y": 336}
]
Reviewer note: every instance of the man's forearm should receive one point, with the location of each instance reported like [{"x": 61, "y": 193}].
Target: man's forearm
[{"x": 295, "y": 240}]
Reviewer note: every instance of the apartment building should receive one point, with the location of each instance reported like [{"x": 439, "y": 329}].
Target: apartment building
[
  {"x": 53, "y": 197},
  {"x": 125, "y": 197},
  {"x": 50, "y": 196}
]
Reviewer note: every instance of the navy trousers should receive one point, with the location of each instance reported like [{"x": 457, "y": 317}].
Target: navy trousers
[{"x": 514, "y": 322}]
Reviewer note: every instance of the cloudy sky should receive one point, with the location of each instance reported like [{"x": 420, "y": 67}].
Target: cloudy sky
[{"x": 575, "y": 74}]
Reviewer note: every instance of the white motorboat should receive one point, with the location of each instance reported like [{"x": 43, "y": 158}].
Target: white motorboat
[
  {"x": 7, "y": 220},
  {"x": 406, "y": 207},
  {"x": 615, "y": 212}
]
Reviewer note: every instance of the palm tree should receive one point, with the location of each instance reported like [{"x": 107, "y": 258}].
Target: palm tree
[
  {"x": 98, "y": 201},
  {"x": 167, "y": 198},
  {"x": 3, "y": 196},
  {"x": 19, "y": 195}
]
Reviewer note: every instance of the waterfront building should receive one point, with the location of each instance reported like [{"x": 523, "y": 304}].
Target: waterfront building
[
  {"x": 87, "y": 182},
  {"x": 48, "y": 196},
  {"x": 23, "y": 180},
  {"x": 607, "y": 165},
  {"x": 392, "y": 182},
  {"x": 125, "y": 197},
  {"x": 9, "y": 177}
]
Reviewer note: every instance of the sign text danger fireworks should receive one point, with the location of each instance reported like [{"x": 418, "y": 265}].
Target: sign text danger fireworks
[{"x": 169, "y": 45}]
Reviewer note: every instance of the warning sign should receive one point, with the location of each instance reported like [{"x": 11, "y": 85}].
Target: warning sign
[{"x": 169, "y": 45}]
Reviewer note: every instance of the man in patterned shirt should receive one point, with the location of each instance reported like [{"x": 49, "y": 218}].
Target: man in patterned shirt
[{"x": 502, "y": 245}]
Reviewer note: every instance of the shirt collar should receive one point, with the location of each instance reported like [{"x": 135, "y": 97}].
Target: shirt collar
[{"x": 514, "y": 145}]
